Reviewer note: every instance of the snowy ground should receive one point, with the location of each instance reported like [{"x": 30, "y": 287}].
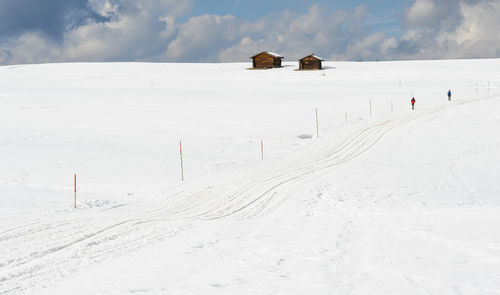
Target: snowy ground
[{"x": 402, "y": 202}]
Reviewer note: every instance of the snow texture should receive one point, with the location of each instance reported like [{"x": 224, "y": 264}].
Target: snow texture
[{"x": 385, "y": 201}]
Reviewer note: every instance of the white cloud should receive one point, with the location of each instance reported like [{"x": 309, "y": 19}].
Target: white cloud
[
  {"x": 142, "y": 31},
  {"x": 137, "y": 31},
  {"x": 202, "y": 37},
  {"x": 150, "y": 30},
  {"x": 422, "y": 13},
  {"x": 296, "y": 35},
  {"x": 477, "y": 35},
  {"x": 29, "y": 48},
  {"x": 372, "y": 47},
  {"x": 434, "y": 29},
  {"x": 466, "y": 30}
]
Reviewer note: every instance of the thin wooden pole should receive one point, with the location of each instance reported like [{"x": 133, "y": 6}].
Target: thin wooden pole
[
  {"x": 346, "y": 117},
  {"x": 75, "y": 189},
  {"x": 262, "y": 149},
  {"x": 317, "y": 124},
  {"x": 392, "y": 107},
  {"x": 370, "y": 108},
  {"x": 182, "y": 163}
]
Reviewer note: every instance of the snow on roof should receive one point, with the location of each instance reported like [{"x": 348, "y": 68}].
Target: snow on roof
[
  {"x": 275, "y": 54},
  {"x": 270, "y": 53},
  {"x": 315, "y": 56}
]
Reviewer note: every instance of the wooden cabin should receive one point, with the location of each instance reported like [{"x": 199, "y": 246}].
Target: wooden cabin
[
  {"x": 266, "y": 60},
  {"x": 311, "y": 62}
]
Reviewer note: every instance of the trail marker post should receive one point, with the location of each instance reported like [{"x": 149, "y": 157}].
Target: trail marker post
[
  {"x": 182, "y": 163},
  {"x": 317, "y": 124},
  {"x": 75, "y": 189},
  {"x": 346, "y": 117}
]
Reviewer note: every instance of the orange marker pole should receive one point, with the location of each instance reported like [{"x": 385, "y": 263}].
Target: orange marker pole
[
  {"x": 182, "y": 164},
  {"x": 75, "y": 191}
]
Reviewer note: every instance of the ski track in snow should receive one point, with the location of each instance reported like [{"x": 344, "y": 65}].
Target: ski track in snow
[{"x": 63, "y": 246}]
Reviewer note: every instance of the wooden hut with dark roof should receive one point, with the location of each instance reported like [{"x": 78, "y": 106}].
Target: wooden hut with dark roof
[
  {"x": 311, "y": 62},
  {"x": 267, "y": 60}
]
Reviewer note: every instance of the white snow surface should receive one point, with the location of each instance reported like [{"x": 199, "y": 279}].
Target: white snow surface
[{"x": 396, "y": 202}]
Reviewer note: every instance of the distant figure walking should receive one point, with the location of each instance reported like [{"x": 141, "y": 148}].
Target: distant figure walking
[
  {"x": 449, "y": 95},
  {"x": 413, "y": 103}
]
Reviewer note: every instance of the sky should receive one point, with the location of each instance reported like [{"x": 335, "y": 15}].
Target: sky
[{"x": 36, "y": 31}]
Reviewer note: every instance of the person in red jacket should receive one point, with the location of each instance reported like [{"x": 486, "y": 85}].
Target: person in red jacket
[{"x": 413, "y": 103}]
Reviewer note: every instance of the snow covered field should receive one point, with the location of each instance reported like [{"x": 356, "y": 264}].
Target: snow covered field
[{"x": 402, "y": 202}]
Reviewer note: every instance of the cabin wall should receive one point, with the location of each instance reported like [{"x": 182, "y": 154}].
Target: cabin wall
[
  {"x": 310, "y": 63},
  {"x": 264, "y": 61},
  {"x": 277, "y": 62}
]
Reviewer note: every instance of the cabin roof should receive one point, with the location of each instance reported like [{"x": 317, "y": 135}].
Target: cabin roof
[
  {"x": 270, "y": 53},
  {"x": 313, "y": 55}
]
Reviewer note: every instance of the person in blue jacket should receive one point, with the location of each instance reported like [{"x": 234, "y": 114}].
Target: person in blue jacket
[{"x": 449, "y": 95}]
